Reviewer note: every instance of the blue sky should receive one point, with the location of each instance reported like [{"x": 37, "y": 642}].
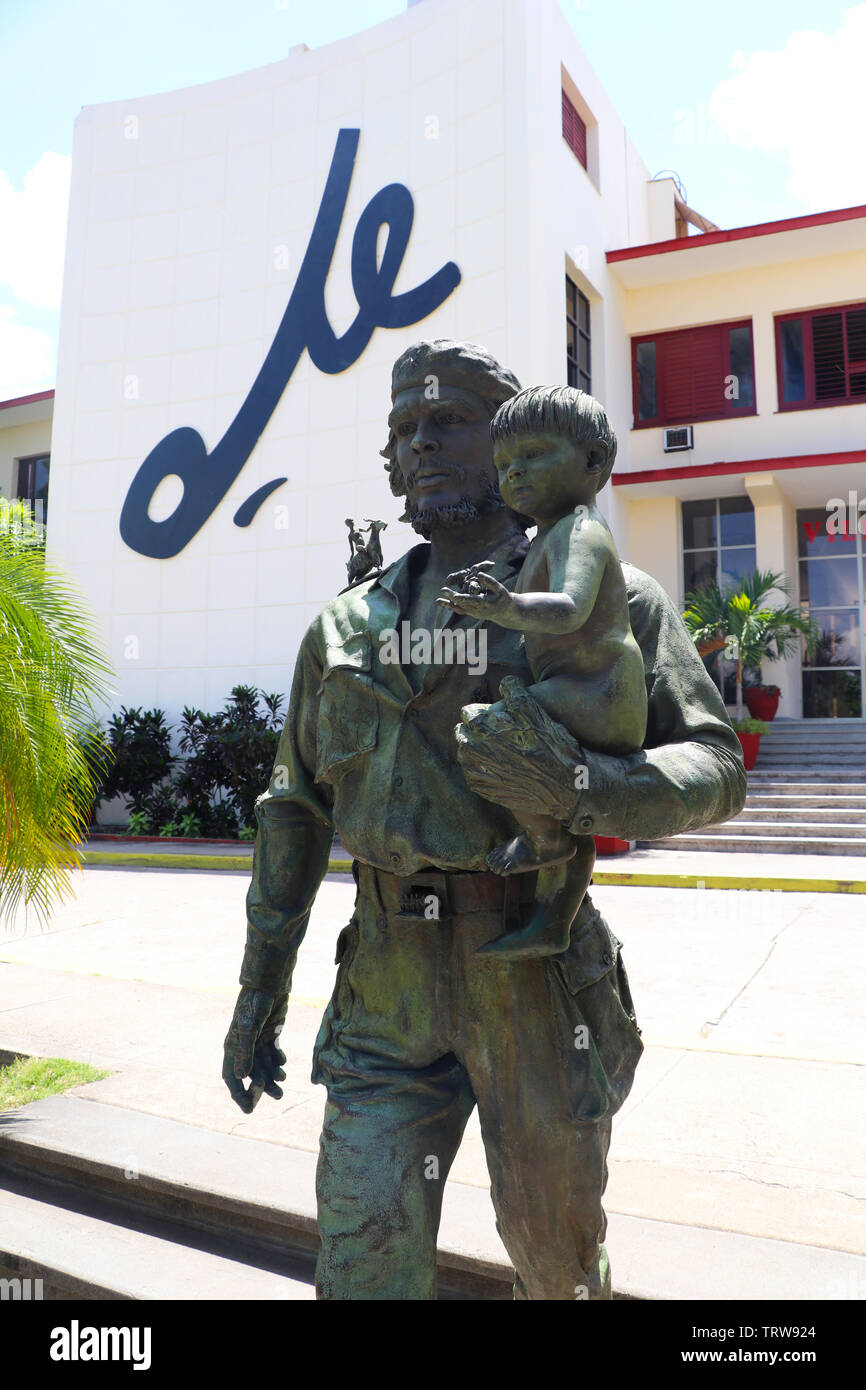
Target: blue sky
[{"x": 755, "y": 105}]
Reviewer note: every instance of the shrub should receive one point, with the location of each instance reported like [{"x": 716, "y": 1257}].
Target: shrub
[
  {"x": 212, "y": 791},
  {"x": 229, "y": 758},
  {"x": 750, "y": 726},
  {"x": 140, "y": 741}
]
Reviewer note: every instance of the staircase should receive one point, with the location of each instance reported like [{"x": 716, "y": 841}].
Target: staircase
[{"x": 807, "y": 795}]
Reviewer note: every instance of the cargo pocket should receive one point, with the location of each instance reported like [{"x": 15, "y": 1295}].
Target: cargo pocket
[
  {"x": 602, "y": 1035},
  {"x": 328, "y": 1057},
  {"x": 348, "y": 712}
]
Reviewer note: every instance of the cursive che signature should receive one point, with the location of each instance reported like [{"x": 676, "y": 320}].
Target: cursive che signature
[{"x": 207, "y": 477}]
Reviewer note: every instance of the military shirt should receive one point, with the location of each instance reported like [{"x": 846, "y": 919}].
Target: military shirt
[{"x": 368, "y": 754}]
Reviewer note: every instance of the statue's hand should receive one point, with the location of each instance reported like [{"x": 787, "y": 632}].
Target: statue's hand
[
  {"x": 251, "y": 1047},
  {"x": 513, "y": 753},
  {"x": 477, "y": 594}
]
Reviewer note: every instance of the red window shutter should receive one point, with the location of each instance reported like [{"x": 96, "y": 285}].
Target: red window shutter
[
  {"x": 693, "y": 374},
  {"x": 676, "y": 383},
  {"x": 709, "y": 368},
  {"x": 829, "y": 355},
  {"x": 573, "y": 129},
  {"x": 567, "y": 123}
]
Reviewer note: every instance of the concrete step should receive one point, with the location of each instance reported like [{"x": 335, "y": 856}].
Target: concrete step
[
  {"x": 759, "y": 843},
  {"x": 850, "y": 777},
  {"x": 817, "y": 738},
  {"x": 185, "y": 1171},
  {"x": 814, "y": 757},
  {"x": 831, "y": 830},
  {"x": 824, "y": 801},
  {"x": 803, "y": 815},
  {"x": 83, "y": 1249},
  {"x": 846, "y": 734},
  {"x": 856, "y": 743},
  {"x": 764, "y": 783},
  {"x": 249, "y": 1201}
]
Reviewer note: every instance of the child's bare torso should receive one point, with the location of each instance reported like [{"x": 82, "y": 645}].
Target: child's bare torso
[{"x": 553, "y": 561}]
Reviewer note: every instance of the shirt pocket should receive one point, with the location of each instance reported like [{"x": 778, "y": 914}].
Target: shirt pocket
[{"x": 348, "y": 710}]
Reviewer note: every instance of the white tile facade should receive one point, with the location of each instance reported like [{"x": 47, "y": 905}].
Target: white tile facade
[{"x": 190, "y": 215}]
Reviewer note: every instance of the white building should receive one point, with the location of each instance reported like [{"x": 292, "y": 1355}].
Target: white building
[{"x": 543, "y": 237}]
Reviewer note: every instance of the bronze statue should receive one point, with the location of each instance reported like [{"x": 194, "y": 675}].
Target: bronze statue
[
  {"x": 365, "y": 557},
  {"x": 423, "y": 1026},
  {"x": 554, "y": 448}
]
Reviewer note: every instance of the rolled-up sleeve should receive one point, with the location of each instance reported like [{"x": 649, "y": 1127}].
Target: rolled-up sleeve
[{"x": 690, "y": 772}]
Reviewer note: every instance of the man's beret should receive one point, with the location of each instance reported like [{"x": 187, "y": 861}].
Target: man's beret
[{"x": 458, "y": 364}]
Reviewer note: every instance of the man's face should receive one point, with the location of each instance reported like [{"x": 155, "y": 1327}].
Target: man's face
[{"x": 444, "y": 455}]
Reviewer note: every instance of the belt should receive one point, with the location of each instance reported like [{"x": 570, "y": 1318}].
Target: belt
[{"x": 455, "y": 893}]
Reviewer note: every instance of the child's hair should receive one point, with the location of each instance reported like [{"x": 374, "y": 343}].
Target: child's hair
[{"x": 559, "y": 410}]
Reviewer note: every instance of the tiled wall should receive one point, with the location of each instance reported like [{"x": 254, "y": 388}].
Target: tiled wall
[{"x": 184, "y": 243}]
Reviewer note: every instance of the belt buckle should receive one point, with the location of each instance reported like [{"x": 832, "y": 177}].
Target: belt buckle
[{"x": 426, "y": 897}]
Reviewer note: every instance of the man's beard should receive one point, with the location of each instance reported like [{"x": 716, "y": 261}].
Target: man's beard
[{"x": 445, "y": 516}]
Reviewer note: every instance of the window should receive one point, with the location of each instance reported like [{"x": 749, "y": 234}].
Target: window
[
  {"x": 821, "y": 358},
  {"x": 718, "y": 547},
  {"x": 718, "y": 542},
  {"x": 573, "y": 129},
  {"x": 577, "y": 330},
  {"x": 831, "y": 586},
  {"x": 33, "y": 484},
  {"x": 693, "y": 374}
]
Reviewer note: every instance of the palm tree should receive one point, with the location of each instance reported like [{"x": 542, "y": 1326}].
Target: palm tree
[
  {"x": 52, "y": 755},
  {"x": 743, "y": 623}
]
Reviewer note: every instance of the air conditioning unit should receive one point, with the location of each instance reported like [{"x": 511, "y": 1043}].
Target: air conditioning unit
[{"x": 678, "y": 439}]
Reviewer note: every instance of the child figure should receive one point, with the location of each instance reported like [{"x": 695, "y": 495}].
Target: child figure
[{"x": 554, "y": 448}]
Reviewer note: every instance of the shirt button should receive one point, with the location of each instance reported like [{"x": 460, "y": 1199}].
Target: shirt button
[
  {"x": 395, "y": 858},
  {"x": 398, "y": 781},
  {"x": 585, "y": 822},
  {"x": 607, "y": 958},
  {"x": 381, "y": 923}
]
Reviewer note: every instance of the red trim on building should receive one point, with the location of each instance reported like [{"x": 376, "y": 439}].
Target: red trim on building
[
  {"x": 712, "y": 470},
  {"x": 788, "y": 224},
  {"x": 27, "y": 400}
]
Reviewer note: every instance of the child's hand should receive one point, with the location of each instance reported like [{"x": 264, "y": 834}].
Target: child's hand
[{"x": 477, "y": 594}]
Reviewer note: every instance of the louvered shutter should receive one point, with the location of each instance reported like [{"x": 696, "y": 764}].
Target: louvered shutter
[
  {"x": 709, "y": 369},
  {"x": 693, "y": 371},
  {"x": 855, "y": 328},
  {"x": 828, "y": 351},
  {"x": 573, "y": 129},
  {"x": 675, "y": 375}
]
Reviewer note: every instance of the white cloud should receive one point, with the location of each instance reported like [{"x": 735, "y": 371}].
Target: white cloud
[
  {"x": 805, "y": 103},
  {"x": 33, "y": 231},
  {"x": 26, "y": 357}
]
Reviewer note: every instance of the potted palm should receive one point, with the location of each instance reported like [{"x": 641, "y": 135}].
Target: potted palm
[
  {"x": 742, "y": 623},
  {"x": 762, "y": 700}
]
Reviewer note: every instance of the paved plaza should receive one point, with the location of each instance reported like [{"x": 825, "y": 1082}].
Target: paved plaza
[{"x": 745, "y": 1116}]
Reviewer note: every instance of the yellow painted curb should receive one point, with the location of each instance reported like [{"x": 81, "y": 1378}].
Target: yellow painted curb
[
  {"x": 602, "y": 878},
  {"x": 123, "y": 859},
  {"x": 609, "y": 879}
]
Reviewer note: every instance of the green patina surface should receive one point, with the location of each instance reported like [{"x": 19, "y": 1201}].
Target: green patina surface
[{"x": 422, "y": 1028}]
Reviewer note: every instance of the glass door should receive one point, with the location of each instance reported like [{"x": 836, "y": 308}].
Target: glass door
[{"x": 831, "y": 592}]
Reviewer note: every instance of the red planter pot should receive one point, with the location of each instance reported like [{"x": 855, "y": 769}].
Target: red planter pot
[
  {"x": 750, "y": 743},
  {"x": 761, "y": 704},
  {"x": 609, "y": 844}
]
